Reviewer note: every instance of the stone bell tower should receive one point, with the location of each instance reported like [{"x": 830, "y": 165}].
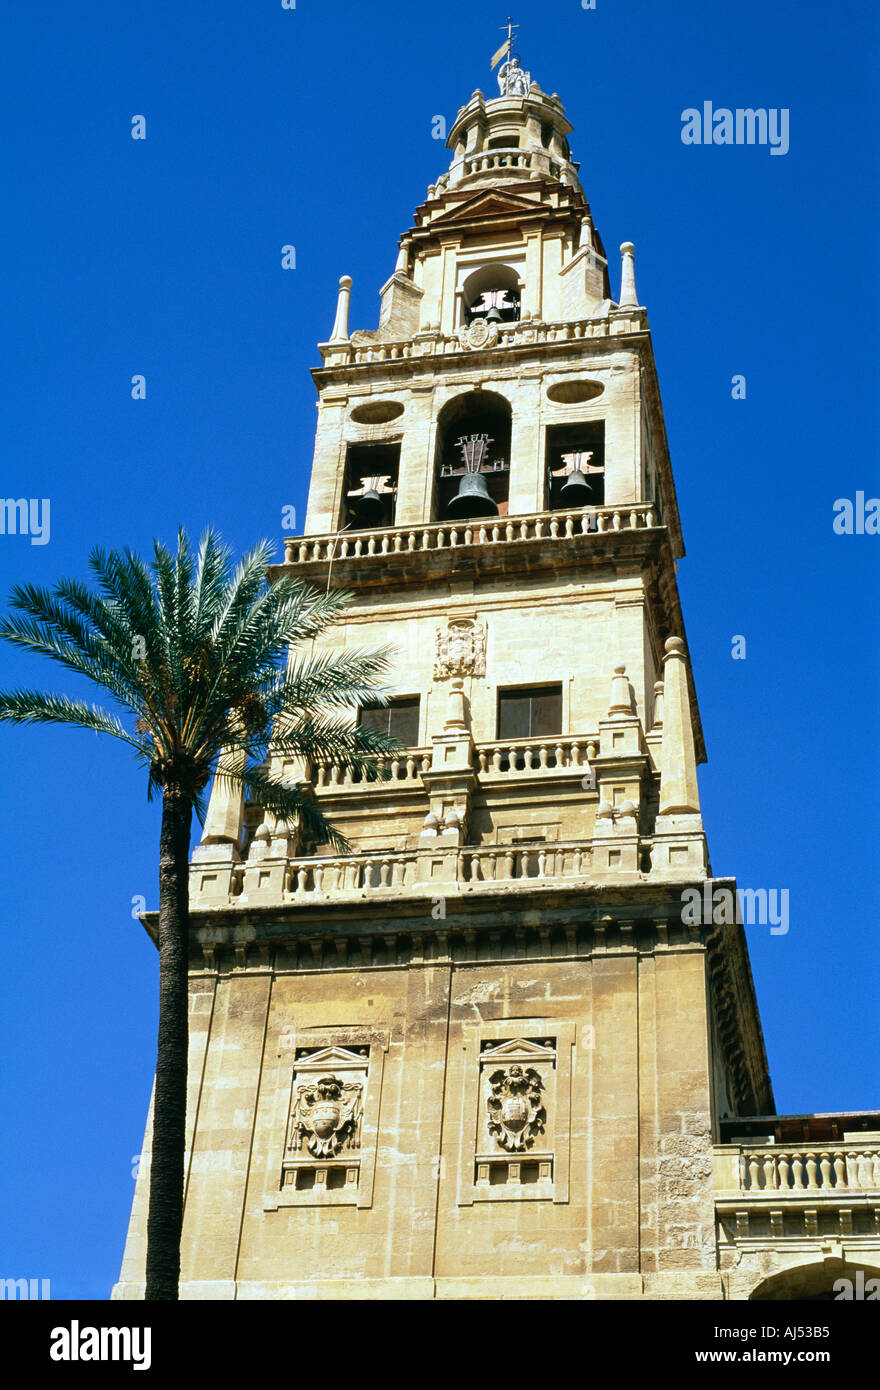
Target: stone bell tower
[{"x": 483, "y": 1054}]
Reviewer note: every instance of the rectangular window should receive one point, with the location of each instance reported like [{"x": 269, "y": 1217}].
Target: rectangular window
[
  {"x": 399, "y": 718},
  {"x": 370, "y": 491},
  {"x": 530, "y": 712}
]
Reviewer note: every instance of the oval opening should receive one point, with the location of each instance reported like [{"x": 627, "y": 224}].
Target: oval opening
[
  {"x": 376, "y": 412},
  {"x": 574, "y": 392}
]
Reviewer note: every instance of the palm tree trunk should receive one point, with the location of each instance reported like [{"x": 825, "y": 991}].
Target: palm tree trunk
[{"x": 165, "y": 1219}]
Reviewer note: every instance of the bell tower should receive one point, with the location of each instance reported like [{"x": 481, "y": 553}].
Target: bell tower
[{"x": 487, "y": 1053}]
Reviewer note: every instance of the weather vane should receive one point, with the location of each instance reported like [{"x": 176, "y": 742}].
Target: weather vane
[{"x": 512, "y": 81}]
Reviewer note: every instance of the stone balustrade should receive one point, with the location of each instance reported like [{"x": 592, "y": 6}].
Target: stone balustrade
[
  {"x": 324, "y": 877},
  {"x": 512, "y": 758},
  {"x": 807, "y": 1169},
  {"x": 501, "y": 760},
  {"x": 509, "y": 530},
  {"x": 320, "y": 877},
  {"x": 486, "y": 161},
  {"x": 406, "y": 766},
  {"x": 505, "y": 863},
  {"x": 522, "y": 332}
]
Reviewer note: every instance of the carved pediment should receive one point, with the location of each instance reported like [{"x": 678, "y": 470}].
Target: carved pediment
[
  {"x": 520, "y": 1049},
  {"x": 489, "y": 203},
  {"x": 327, "y": 1058}
]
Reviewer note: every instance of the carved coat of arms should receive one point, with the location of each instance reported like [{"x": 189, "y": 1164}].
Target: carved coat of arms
[
  {"x": 482, "y": 333},
  {"x": 515, "y": 1106},
  {"x": 460, "y": 650},
  {"x": 327, "y": 1113}
]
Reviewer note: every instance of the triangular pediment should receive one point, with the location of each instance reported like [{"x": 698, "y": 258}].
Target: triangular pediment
[
  {"x": 520, "y": 1050},
  {"x": 328, "y": 1058},
  {"x": 489, "y": 203}
]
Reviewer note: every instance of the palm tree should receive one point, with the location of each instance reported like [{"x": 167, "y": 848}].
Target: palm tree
[{"x": 208, "y": 663}]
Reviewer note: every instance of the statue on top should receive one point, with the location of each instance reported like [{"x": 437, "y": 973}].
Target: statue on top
[{"x": 512, "y": 80}]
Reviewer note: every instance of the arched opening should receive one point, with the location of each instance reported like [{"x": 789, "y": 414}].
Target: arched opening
[
  {"x": 473, "y": 457},
  {"x": 824, "y": 1281},
  {"x": 494, "y": 293}
]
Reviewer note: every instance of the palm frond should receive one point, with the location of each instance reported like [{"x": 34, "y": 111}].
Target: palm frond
[{"x": 37, "y": 707}]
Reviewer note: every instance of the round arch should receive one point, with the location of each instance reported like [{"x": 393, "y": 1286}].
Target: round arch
[
  {"x": 494, "y": 288},
  {"x": 825, "y": 1280},
  {"x": 481, "y": 413}
]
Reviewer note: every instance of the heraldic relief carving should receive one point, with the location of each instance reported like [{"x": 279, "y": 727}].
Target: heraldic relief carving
[
  {"x": 516, "y": 1107},
  {"x": 327, "y": 1113},
  {"x": 461, "y": 649},
  {"x": 326, "y": 1108}
]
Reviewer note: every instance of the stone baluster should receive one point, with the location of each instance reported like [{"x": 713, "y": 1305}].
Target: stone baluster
[{"x": 812, "y": 1185}]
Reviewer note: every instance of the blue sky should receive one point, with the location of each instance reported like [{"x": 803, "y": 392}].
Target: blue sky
[{"x": 312, "y": 127}]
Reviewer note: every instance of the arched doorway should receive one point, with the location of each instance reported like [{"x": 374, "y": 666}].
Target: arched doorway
[{"x": 823, "y": 1281}]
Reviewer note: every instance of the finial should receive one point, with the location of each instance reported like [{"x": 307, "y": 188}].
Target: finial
[
  {"x": 340, "y": 325},
  {"x": 628, "y": 296},
  {"x": 621, "y": 701},
  {"x": 679, "y": 793}
]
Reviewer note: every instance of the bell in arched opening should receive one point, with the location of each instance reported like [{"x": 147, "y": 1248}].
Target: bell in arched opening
[
  {"x": 473, "y": 498},
  {"x": 371, "y": 501},
  {"x": 579, "y": 489}
]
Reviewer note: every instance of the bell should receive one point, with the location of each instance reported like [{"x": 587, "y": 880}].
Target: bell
[
  {"x": 369, "y": 508},
  {"x": 576, "y": 491},
  {"x": 472, "y": 498},
  {"x": 494, "y": 315}
]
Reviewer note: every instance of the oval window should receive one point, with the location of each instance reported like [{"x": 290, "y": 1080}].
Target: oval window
[
  {"x": 574, "y": 392},
  {"x": 376, "y": 412}
]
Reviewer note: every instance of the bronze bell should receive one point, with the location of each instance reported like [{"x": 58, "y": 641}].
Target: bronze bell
[
  {"x": 369, "y": 508},
  {"x": 577, "y": 490},
  {"x": 472, "y": 499}
]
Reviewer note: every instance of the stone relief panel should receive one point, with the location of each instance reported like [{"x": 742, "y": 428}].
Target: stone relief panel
[
  {"x": 515, "y": 1106},
  {"x": 326, "y": 1117},
  {"x": 460, "y": 649},
  {"x": 322, "y": 1154},
  {"x": 514, "y": 1138},
  {"x": 320, "y": 1107}
]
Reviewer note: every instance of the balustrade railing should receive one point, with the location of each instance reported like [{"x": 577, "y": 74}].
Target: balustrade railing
[
  {"x": 320, "y": 876},
  {"x": 503, "y": 863},
  {"x": 552, "y": 526},
  {"x": 433, "y": 343},
  {"x": 811, "y": 1168},
  {"x": 406, "y": 766},
  {"x": 511, "y": 758}
]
